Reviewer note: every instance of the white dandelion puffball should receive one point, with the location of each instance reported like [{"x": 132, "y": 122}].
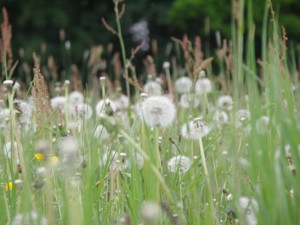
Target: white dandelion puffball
[
  {"x": 195, "y": 129},
  {"x": 122, "y": 102},
  {"x": 183, "y": 85},
  {"x": 179, "y": 163},
  {"x": 82, "y": 111},
  {"x": 153, "y": 88},
  {"x": 25, "y": 111},
  {"x": 242, "y": 117},
  {"x": 166, "y": 65},
  {"x": 248, "y": 207},
  {"x": 150, "y": 212},
  {"x": 189, "y": 100},
  {"x": 221, "y": 118},
  {"x": 76, "y": 98},
  {"x": 101, "y": 132},
  {"x": 4, "y": 115},
  {"x": 70, "y": 155},
  {"x": 106, "y": 106},
  {"x": 59, "y": 103},
  {"x": 158, "y": 111},
  {"x": 262, "y": 124},
  {"x": 30, "y": 218},
  {"x": 203, "y": 86},
  {"x": 225, "y": 102},
  {"x": 7, "y": 149}
]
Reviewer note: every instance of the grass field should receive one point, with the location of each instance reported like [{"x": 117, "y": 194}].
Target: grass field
[{"x": 190, "y": 146}]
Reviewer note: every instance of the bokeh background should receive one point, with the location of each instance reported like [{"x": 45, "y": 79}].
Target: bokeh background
[{"x": 36, "y": 24}]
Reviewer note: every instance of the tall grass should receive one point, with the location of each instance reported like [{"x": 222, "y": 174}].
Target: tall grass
[{"x": 90, "y": 184}]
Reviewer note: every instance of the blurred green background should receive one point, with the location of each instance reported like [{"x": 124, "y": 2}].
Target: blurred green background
[{"x": 36, "y": 22}]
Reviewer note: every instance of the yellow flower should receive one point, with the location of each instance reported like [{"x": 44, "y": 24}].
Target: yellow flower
[
  {"x": 39, "y": 156},
  {"x": 9, "y": 186},
  {"x": 53, "y": 160},
  {"x": 50, "y": 159}
]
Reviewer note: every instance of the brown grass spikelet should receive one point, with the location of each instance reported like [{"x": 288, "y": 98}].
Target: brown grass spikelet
[
  {"x": 40, "y": 96},
  {"x": 150, "y": 66},
  {"x": 198, "y": 51},
  {"x": 6, "y": 35}
]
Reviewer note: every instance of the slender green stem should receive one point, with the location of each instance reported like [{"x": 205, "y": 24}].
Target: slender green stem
[
  {"x": 152, "y": 167},
  {"x": 157, "y": 160},
  {"x": 122, "y": 45},
  {"x": 206, "y": 173},
  {"x": 66, "y": 105}
]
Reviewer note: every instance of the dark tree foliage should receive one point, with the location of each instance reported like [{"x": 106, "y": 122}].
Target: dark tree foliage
[{"x": 36, "y": 22}]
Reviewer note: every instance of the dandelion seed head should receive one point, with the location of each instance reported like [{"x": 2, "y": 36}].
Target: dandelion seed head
[
  {"x": 183, "y": 85},
  {"x": 67, "y": 83},
  {"x": 8, "y": 83},
  {"x": 102, "y": 79},
  {"x": 106, "y": 106},
  {"x": 140, "y": 33},
  {"x": 101, "y": 132},
  {"x": 30, "y": 218},
  {"x": 262, "y": 124},
  {"x": 43, "y": 146},
  {"x": 122, "y": 103},
  {"x": 76, "y": 98},
  {"x": 203, "y": 86},
  {"x": 221, "y": 118},
  {"x": 8, "y": 151},
  {"x": 225, "y": 102},
  {"x": 195, "y": 129},
  {"x": 41, "y": 171},
  {"x": 158, "y": 111},
  {"x": 179, "y": 163},
  {"x": 248, "y": 207},
  {"x": 82, "y": 111},
  {"x": 59, "y": 103},
  {"x": 70, "y": 156},
  {"x": 69, "y": 145},
  {"x": 144, "y": 95},
  {"x": 229, "y": 197},
  {"x": 166, "y": 65},
  {"x": 202, "y": 74},
  {"x": 18, "y": 183},
  {"x": 25, "y": 110},
  {"x": 4, "y": 114},
  {"x": 68, "y": 45},
  {"x": 16, "y": 87},
  {"x": 189, "y": 100},
  {"x": 150, "y": 211},
  {"x": 242, "y": 117},
  {"x": 153, "y": 88}
]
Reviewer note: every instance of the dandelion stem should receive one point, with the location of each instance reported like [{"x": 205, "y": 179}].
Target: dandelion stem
[
  {"x": 7, "y": 208},
  {"x": 207, "y": 178},
  {"x": 157, "y": 159},
  {"x": 169, "y": 82},
  {"x": 66, "y": 105}
]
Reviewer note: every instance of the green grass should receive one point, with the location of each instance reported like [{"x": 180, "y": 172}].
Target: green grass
[{"x": 229, "y": 161}]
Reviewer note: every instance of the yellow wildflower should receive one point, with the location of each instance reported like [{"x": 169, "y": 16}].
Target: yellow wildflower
[{"x": 9, "y": 186}]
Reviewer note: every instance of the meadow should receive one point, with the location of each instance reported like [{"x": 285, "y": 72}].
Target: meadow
[{"x": 189, "y": 144}]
